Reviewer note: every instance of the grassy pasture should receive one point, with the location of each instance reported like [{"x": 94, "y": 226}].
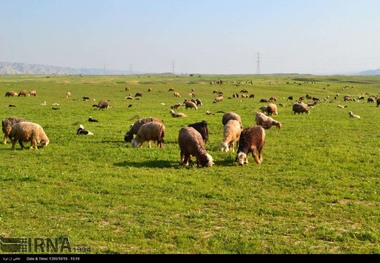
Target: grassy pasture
[{"x": 317, "y": 190}]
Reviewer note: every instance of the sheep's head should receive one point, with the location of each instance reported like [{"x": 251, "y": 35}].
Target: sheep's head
[
  {"x": 44, "y": 143},
  {"x": 128, "y": 137},
  {"x": 205, "y": 161},
  {"x": 136, "y": 143},
  {"x": 278, "y": 125},
  {"x": 242, "y": 158}
]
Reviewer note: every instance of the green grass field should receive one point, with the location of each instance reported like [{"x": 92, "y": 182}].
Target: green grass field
[{"x": 317, "y": 190}]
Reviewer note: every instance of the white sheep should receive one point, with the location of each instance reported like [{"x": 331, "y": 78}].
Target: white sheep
[
  {"x": 252, "y": 140},
  {"x": 177, "y": 114},
  {"x": 151, "y": 131},
  {"x": 265, "y": 121},
  {"x": 191, "y": 144},
  {"x": 353, "y": 116},
  {"x": 28, "y": 132},
  {"x": 231, "y": 135}
]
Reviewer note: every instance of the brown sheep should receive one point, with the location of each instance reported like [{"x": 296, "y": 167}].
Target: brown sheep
[
  {"x": 231, "y": 116},
  {"x": 252, "y": 140},
  {"x": 272, "y": 109},
  {"x": 202, "y": 128},
  {"x": 7, "y": 126},
  {"x": 23, "y": 93},
  {"x": 136, "y": 126},
  {"x": 191, "y": 144},
  {"x": 377, "y": 102},
  {"x": 103, "y": 104},
  {"x": 266, "y": 122},
  {"x": 28, "y": 132},
  {"x": 148, "y": 132},
  {"x": 11, "y": 93},
  {"x": 300, "y": 108}
]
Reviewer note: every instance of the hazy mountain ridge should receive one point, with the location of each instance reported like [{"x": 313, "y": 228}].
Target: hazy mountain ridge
[{"x": 12, "y": 68}]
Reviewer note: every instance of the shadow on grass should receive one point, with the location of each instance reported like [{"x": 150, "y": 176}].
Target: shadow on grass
[{"x": 150, "y": 164}]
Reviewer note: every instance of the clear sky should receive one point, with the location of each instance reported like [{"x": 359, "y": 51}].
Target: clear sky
[{"x": 194, "y": 36}]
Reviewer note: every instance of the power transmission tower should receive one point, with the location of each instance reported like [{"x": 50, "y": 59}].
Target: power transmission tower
[
  {"x": 258, "y": 63},
  {"x": 173, "y": 67}
]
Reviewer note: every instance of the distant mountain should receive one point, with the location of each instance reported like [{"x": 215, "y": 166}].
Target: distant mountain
[
  {"x": 10, "y": 68},
  {"x": 372, "y": 72}
]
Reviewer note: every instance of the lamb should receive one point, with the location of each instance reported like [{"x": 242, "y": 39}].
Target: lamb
[
  {"x": 202, "y": 128},
  {"x": 300, "y": 108},
  {"x": 266, "y": 122},
  {"x": 151, "y": 131},
  {"x": 231, "y": 116},
  {"x": 353, "y": 116},
  {"x": 28, "y": 132},
  {"x": 231, "y": 135},
  {"x": 191, "y": 144},
  {"x": 7, "y": 126},
  {"x": 252, "y": 140},
  {"x": 136, "y": 126},
  {"x": 177, "y": 114}
]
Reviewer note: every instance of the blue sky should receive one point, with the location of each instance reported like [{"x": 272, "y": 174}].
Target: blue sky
[{"x": 196, "y": 36}]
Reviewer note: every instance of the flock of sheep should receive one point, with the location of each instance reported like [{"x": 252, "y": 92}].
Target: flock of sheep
[{"x": 191, "y": 139}]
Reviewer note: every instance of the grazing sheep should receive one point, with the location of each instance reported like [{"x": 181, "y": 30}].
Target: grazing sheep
[
  {"x": 138, "y": 94},
  {"x": 176, "y": 94},
  {"x": 353, "y": 116},
  {"x": 231, "y": 116},
  {"x": 176, "y": 105},
  {"x": 23, "y": 93},
  {"x": 33, "y": 93},
  {"x": 151, "y": 131},
  {"x": 82, "y": 131},
  {"x": 191, "y": 144},
  {"x": 202, "y": 128},
  {"x": 377, "y": 102},
  {"x": 103, "y": 104},
  {"x": 11, "y": 93},
  {"x": 28, "y": 132},
  {"x": 252, "y": 140},
  {"x": 136, "y": 126},
  {"x": 177, "y": 114},
  {"x": 68, "y": 94},
  {"x": 231, "y": 135},
  {"x": 266, "y": 122},
  {"x": 272, "y": 109},
  {"x": 300, "y": 108},
  {"x": 190, "y": 104},
  {"x": 7, "y": 126}
]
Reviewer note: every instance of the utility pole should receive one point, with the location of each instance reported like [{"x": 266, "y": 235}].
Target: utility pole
[{"x": 173, "y": 67}]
